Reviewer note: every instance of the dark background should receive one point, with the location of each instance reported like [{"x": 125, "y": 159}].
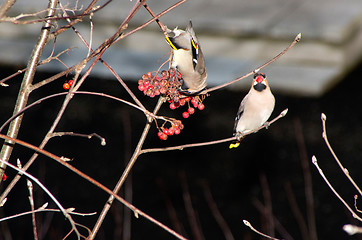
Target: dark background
[{"x": 233, "y": 175}]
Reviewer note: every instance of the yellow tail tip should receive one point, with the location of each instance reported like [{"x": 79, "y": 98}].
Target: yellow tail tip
[{"x": 234, "y": 145}]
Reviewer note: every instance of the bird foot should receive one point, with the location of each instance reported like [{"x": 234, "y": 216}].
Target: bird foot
[
  {"x": 266, "y": 125},
  {"x": 239, "y": 136}
]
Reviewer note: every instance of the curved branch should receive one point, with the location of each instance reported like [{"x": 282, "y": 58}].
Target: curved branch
[
  {"x": 147, "y": 113},
  {"x": 182, "y": 147},
  {"x": 296, "y": 40},
  {"x": 344, "y": 170},
  {"x": 65, "y": 213},
  {"x": 136, "y": 211}
]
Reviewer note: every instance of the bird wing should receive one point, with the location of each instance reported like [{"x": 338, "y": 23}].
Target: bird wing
[{"x": 240, "y": 112}]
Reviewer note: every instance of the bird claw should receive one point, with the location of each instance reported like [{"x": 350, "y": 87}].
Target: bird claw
[
  {"x": 266, "y": 125},
  {"x": 239, "y": 136}
]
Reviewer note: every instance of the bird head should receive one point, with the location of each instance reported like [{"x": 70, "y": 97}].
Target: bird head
[{"x": 260, "y": 83}]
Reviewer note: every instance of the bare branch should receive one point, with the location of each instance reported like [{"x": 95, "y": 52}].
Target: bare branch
[
  {"x": 258, "y": 232},
  {"x": 182, "y": 147},
  {"x": 125, "y": 173},
  {"x": 31, "y": 200},
  {"x": 308, "y": 189},
  {"x": 344, "y": 170},
  {"x": 314, "y": 161},
  {"x": 352, "y": 229},
  {"x": 5, "y": 7},
  {"x": 24, "y": 91},
  {"x": 216, "y": 213},
  {"x": 43, "y": 209},
  {"x": 89, "y": 136},
  {"x": 297, "y": 39},
  {"x": 136, "y": 211},
  {"x": 65, "y": 213}
]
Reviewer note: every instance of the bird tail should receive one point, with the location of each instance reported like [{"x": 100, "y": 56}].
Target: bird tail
[{"x": 234, "y": 144}]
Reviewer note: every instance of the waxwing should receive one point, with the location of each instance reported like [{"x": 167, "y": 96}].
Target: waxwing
[
  {"x": 188, "y": 59},
  {"x": 255, "y": 108}
]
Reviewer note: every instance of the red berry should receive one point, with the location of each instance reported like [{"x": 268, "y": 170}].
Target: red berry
[
  {"x": 70, "y": 82},
  {"x": 146, "y": 83},
  {"x": 162, "y": 136},
  {"x": 172, "y": 106},
  {"x": 191, "y": 110},
  {"x": 149, "y": 74},
  {"x": 140, "y": 82},
  {"x": 66, "y": 86},
  {"x": 177, "y": 131},
  {"x": 171, "y": 131},
  {"x": 141, "y": 87},
  {"x": 4, "y": 177},
  {"x": 201, "y": 106},
  {"x": 164, "y": 73},
  {"x": 182, "y": 101},
  {"x": 185, "y": 115},
  {"x": 152, "y": 95},
  {"x": 165, "y": 131},
  {"x": 157, "y": 92},
  {"x": 150, "y": 87},
  {"x": 163, "y": 90},
  {"x": 163, "y": 83}
]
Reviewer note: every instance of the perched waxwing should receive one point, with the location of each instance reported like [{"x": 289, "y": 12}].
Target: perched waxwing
[
  {"x": 255, "y": 109},
  {"x": 188, "y": 58}
]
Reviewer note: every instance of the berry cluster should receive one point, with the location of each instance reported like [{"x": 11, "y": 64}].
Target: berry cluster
[
  {"x": 166, "y": 83},
  {"x": 195, "y": 101},
  {"x": 176, "y": 127},
  {"x": 67, "y": 85}
]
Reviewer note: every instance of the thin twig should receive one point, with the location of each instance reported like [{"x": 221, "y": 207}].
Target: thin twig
[
  {"x": 279, "y": 227},
  {"x": 5, "y": 7},
  {"x": 65, "y": 213},
  {"x": 191, "y": 213},
  {"x": 182, "y": 147},
  {"x": 304, "y": 231},
  {"x": 89, "y": 136},
  {"x": 344, "y": 170},
  {"x": 352, "y": 229},
  {"x": 297, "y": 39},
  {"x": 147, "y": 113},
  {"x": 268, "y": 213},
  {"x": 31, "y": 200},
  {"x": 50, "y": 58},
  {"x": 355, "y": 204},
  {"x": 314, "y": 161},
  {"x": 125, "y": 173},
  {"x": 170, "y": 208},
  {"x": 308, "y": 189},
  {"x": 70, "y": 211},
  {"x": 247, "y": 223},
  {"x": 79, "y": 18},
  {"x": 216, "y": 213},
  {"x": 136, "y": 211}
]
